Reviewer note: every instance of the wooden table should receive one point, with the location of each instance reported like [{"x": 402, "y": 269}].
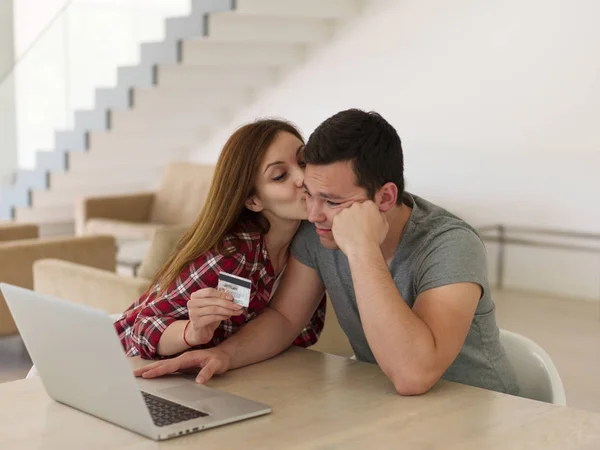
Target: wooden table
[{"x": 319, "y": 401}]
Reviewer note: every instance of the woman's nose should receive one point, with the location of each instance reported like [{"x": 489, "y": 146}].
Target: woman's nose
[{"x": 299, "y": 178}]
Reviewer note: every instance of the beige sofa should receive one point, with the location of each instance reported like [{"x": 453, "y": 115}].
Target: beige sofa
[
  {"x": 105, "y": 289},
  {"x": 17, "y": 258},
  {"x": 177, "y": 201},
  {"x": 11, "y": 231}
]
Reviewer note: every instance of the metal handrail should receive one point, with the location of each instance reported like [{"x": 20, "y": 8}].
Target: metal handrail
[
  {"x": 525, "y": 242},
  {"x": 545, "y": 231},
  {"x": 502, "y": 240}
]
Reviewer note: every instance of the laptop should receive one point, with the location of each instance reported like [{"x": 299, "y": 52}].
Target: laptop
[{"x": 81, "y": 362}]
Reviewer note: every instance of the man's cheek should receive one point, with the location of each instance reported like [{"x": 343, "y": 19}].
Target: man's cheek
[
  {"x": 331, "y": 218},
  {"x": 334, "y": 212}
]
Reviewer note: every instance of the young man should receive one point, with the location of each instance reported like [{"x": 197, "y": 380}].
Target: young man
[{"x": 407, "y": 279}]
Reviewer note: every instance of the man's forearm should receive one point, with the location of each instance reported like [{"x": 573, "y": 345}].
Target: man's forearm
[
  {"x": 401, "y": 342},
  {"x": 262, "y": 338}
]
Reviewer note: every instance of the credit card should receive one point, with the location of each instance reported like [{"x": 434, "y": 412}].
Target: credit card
[{"x": 238, "y": 287}]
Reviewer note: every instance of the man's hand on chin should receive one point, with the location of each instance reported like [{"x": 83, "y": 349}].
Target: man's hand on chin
[{"x": 360, "y": 226}]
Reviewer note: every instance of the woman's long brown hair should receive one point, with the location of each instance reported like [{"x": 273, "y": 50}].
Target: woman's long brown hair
[{"x": 232, "y": 183}]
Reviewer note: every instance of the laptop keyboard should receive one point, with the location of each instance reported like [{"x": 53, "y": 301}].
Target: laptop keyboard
[{"x": 165, "y": 413}]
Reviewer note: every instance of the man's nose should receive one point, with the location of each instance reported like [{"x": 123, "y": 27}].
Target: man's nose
[{"x": 315, "y": 212}]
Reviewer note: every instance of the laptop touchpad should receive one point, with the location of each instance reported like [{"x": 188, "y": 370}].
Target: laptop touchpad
[{"x": 188, "y": 393}]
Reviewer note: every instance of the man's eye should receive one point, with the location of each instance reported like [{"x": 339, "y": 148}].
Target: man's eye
[
  {"x": 280, "y": 177},
  {"x": 333, "y": 203}
]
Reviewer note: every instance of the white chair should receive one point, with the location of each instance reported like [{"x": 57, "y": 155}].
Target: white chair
[{"x": 537, "y": 376}]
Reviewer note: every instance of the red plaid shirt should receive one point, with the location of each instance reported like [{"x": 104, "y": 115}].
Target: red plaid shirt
[{"x": 143, "y": 323}]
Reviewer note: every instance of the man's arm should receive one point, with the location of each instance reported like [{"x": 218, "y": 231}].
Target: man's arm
[
  {"x": 413, "y": 347},
  {"x": 275, "y": 329}
]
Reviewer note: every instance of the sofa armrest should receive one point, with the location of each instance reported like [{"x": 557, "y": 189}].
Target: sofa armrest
[
  {"x": 98, "y": 288},
  {"x": 128, "y": 207},
  {"x": 17, "y": 259},
  {"x": 15, "y": 231}
]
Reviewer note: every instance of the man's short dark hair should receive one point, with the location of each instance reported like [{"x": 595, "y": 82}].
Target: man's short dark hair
[{"x": 366, "y": 139}]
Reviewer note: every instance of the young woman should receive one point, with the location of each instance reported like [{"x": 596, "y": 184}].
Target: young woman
[{"x": 252, "y": 211}]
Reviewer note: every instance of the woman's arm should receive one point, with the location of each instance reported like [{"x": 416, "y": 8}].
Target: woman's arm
[
  {"x": 206, "y": 309},
  {"x": 145, "y": 323},
  {"x": 151, "y": 318},
  {"x": 191, "y": 297}
]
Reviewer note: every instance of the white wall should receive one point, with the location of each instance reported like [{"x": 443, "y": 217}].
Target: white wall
[
  {"x": 8, "y": 154},
  {"x": 497, "y": 104},
  {"x": 78, "y": 53}
]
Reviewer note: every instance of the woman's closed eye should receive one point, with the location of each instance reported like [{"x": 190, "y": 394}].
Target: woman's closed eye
[{"x": 280, "y": 177}]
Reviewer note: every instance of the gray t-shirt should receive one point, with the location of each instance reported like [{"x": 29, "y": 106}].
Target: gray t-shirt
[{"x": 436, "y": 249}]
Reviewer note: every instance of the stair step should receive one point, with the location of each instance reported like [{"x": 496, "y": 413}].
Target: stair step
[
  {"x": 189, "y": 117},
  {"x": 236, "y": 27},
  {"x": 13, "y": 196},
  {"x": 49, "y": 215},
  {"x": 92, "y": 120},
  {"x": 48, "y": 160},
  {"x": 172, "y": 100},
  {"x": 75, "y": 180},
  {"x": 126, "y": 144},
  {"x": 202, "y": 7},
  {"x": 113, "y": 98},
  {"x": 319, "y": 9},
  {"x": 142, "y": 75},
  {"x": 70, "y": 140},
  {"x": 210, "y": 52},
  {"x": 26, "y": 179},
  {"x": 193, "y": 23},
  {"x": 184, "y": 27},
  {"x": 120, "y": 159},
  {"x": 167, "y": 51},
  {"x": 216, "y": 78},
  {"x": 48, "y": 198}
]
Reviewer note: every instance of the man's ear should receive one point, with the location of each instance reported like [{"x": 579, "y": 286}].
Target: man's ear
[
  {"x": 386, "y": 197},
  {"x": 253, "y": 204}
]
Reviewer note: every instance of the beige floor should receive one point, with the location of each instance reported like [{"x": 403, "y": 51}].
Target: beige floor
[{"x": 568, "y": 330}]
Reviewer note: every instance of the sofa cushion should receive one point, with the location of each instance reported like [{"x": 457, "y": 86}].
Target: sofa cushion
[
  {"x": 121, "y": 229},
  {"x": 182, "y": 193},
  {"x": 162, "y": 245}
]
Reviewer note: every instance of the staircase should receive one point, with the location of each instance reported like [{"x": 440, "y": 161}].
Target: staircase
[{"x": 211, "y": 63}]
